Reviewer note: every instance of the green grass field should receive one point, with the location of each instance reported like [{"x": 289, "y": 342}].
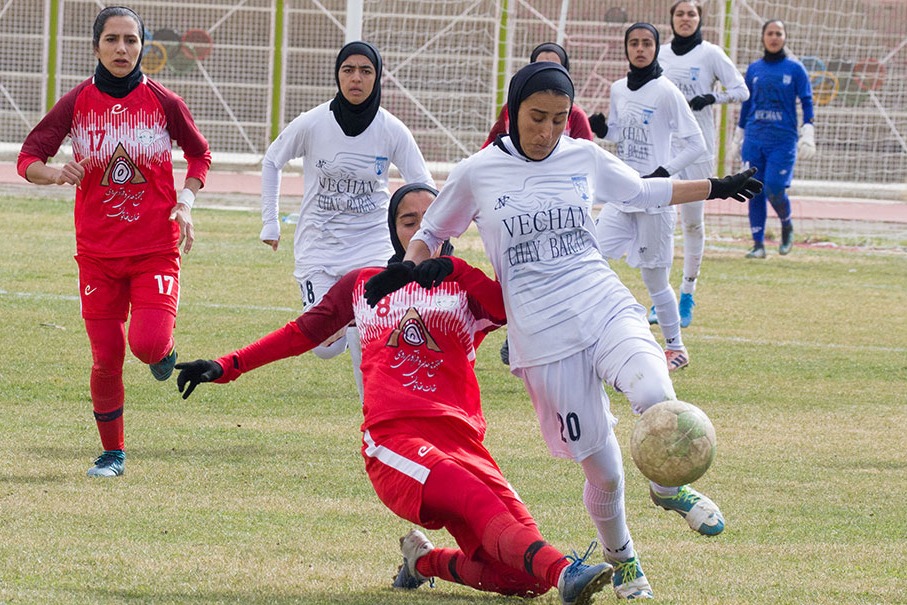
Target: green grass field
[{"x": 255, "y": 492}]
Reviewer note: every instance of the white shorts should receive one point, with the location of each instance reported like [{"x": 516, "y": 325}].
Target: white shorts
[
  {"x": 312, "y": 287},
  {"x": 570, "y": 401},
  {"x": 646, "y": 239}
]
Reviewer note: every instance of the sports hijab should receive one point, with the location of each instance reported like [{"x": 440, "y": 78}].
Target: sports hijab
[
  {"x": 638, "y": 77},
  {"x": 354, "y": 119},
  {"x": 681, "y": 45},
  {"x": 550, "y": 47},
  {"x": 105, "y": 81},
  {"x": 396, "y": 199},
  {"x": 531, "y": 79}
]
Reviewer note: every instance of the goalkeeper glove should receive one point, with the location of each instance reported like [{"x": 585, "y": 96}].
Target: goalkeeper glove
[
  {"x": 599, "y": 124},
  {"x": 737, "y": 143},
  {"x": 741, "y": 186},
  {"x": 390, "y": 280},
  {"x": 806, "y": 146},
  {"x": 700, "y": 101},
  {"x": 659, "y": 173},
  {"x": 431, "y": 272},
  {"x": 196, "y": 372}
]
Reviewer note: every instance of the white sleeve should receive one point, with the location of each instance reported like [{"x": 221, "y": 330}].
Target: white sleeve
[
  {"x": 693, "y": 148},
  {"x": 654, "y": 193},
  {"x": 686, "y": 130},
  {"x": 290, "y": 144},
  {"x": 614, "y": 180},
  {"x": 613, "y": 125},
  {"x": 452, "y": 211},
  {"x": 409, "y": 160},
  {"x": 735, "y": 90}
]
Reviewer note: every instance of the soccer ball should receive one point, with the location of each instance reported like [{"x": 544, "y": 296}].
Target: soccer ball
[{"x": 673, "y": 443}]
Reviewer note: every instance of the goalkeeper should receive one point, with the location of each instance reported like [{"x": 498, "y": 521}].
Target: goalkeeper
[{"x": 767, "y": 137}]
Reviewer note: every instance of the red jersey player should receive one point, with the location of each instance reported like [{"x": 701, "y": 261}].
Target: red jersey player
[
  {"x": 423, "y": 426},
  {"x": 129, "y": 221}
]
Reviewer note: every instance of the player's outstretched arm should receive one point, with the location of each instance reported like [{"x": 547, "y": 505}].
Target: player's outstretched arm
[{"x": 740, "y": 186}]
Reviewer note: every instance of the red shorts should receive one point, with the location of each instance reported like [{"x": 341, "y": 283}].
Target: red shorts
[
  {"x": 399, "y": 456},
  {"x": 109, "y": 286}
]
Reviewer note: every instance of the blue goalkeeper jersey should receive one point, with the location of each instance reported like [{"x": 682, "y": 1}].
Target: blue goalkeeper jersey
[{"x": 770, "y": 114}]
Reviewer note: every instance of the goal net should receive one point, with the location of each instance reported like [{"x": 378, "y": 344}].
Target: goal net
[{"x": 856, "y": 55}]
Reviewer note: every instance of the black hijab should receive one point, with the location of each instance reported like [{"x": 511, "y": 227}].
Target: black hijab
[
  {"x": 550, "y": 47},
  {"x": 544, "y": 75},
  {"x": 638, "y": 77},
  {"x": 118, "y": 87},
  {"x": 354, "y": 119},
  {"x": 681, "y": 45},
  {"x": 105, "y": 81},
  {"x": 396, "y": 198}
]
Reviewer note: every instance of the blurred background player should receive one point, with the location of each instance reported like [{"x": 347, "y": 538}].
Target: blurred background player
[
  {"x": 348, "y": 145},
  {"x": 571, "y": 322},
  {"x": 129, "y": 220},
  {"x": 423, "y": 425},
  {"x": 695, "y": 66},
  {"x": 767, "y": 137},
  {"x": 656, "y": 135},
  {"x": 577, "y": 123}
]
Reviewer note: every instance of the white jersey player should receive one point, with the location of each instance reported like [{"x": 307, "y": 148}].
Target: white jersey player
[
  {"x": 348, "y": 145},
  {"x": 571, "y": 322},
  {"x": 696, "y": 66},
  {"x": 656, "y": 135}
]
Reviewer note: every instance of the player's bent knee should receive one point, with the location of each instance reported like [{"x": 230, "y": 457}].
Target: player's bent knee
[
  {"x": 645, "y": 381},
  {"x": 149, "y": 350}
]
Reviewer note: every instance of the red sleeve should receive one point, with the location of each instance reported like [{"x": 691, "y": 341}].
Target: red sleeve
[
  {"x": 288, "y": 341},
  {"x": 499, "y": 127},
  {"x": 303, "y": 334},
  {"x": 486, "y": 291},
  {"x": 44, "y": 141},
  {"x": 579, "y": 124},
  {"x": 183, "y": 130}
]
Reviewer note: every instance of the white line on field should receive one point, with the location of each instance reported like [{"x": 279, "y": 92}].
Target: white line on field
[
  {"x": 67, "y": 297},
  {"x": 801, "y": 344},
  {"x": 707, "y": 337}
]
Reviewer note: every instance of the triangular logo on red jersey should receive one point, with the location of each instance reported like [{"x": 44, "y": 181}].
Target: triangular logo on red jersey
[
  {"x": 121, "y": 170},
  {"x": 413, "y": 332}
]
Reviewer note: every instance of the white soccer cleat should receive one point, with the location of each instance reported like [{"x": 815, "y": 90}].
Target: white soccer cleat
[
  {"x": 413, "y": 545},
  {"x": 629, "y": 582},
  {"x": 677, "y": 359},
  {"x": 701, "y": 514}
]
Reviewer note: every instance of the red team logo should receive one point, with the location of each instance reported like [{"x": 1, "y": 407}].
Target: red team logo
[
  {"x": 121, "y": 170},
  {"x": 413, "y": 332}
]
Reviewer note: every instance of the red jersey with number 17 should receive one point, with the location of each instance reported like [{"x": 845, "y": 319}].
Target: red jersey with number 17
[{"x": 124, "y": 202}]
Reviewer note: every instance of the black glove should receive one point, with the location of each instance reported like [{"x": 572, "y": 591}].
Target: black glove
[
  {"x": 599, "y": 124},
  {"x": 659, "y": 173},
  {"x": 431, "y": 272},
  {"x": 741, "y": 186},
  {"x": 700, "y": 101},
  {"x": 505, "y": 352},
  {"x": 194, "y": 373},
  {"x": 390, "y": 280}
]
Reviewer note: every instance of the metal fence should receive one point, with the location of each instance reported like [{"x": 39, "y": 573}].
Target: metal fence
[{"x": 248, "y": 67}]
